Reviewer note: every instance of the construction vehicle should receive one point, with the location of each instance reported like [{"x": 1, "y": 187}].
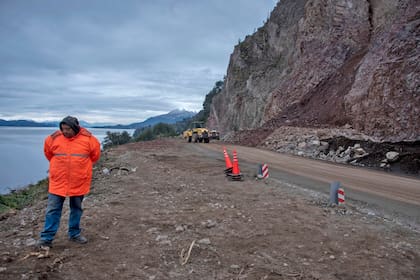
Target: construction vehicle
[
  {"x": 214, "y": 134},
  {"x": 197, "y": 133}
]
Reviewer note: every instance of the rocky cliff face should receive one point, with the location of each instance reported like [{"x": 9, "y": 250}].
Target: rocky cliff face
[{"x": 328, "y": 63}]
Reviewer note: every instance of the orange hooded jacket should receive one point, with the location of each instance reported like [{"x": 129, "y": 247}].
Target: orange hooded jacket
[{"x": 71, "y": 161}]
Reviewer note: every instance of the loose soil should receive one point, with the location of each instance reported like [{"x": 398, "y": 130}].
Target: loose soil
[{"x": 164, "y": 212}]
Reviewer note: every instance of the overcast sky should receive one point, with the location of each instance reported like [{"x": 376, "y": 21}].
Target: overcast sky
[{"x": 117, "y": 61}]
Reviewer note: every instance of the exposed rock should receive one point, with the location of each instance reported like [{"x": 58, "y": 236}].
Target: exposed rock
[
  {"x": 341, "y": 146},
  {"x": 392, "y": 156},
  {"x": 204, "y": 241},
  {"x": 347, "y": 65}
]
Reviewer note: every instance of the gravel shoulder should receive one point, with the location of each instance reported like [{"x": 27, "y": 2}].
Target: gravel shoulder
[{"x": 166, "y": 212}]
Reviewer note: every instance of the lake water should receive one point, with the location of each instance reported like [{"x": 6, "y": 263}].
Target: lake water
[{"x": 22, "y": 160}]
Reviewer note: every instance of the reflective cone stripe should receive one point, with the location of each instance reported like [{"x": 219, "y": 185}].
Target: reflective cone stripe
[
  {"x": 227, "y": 159},
  {"x": 265, "y": 171},
  {"x": 341, "y": 197},
  {"x": 235, "y": 170}
]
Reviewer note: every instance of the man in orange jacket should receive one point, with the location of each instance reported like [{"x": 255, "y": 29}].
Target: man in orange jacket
[{"x": 71, "y": 151}]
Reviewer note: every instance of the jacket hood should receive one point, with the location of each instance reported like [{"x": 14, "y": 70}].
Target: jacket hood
[{"x": 72, "y": 122}]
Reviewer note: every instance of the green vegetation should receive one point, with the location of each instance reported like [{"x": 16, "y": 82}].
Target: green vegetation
[
  {"x": 22, "y": 198},
  {"x": 116, "y": 138},
  {"x": 204, "y": 114},
  {"x": 157, "y": 131}
]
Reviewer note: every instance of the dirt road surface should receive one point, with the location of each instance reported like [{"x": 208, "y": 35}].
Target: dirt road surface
[
  {"x": 393, "y": 194},
  {"x": 167, "y": 211}
]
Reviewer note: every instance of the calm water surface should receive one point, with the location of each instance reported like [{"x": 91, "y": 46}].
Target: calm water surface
[{"x": 22, "y": 160}]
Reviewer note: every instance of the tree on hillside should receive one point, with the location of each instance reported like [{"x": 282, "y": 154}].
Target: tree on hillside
[
  {"x": 163, "y": 130},
  {"x": 146, "y": 134},
  {"x": 157, "y": 131},
  {"x": 204, "y": 114},
  {"x": 115, "y": 138}
]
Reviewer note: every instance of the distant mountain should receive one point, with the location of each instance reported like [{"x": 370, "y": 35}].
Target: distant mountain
[
  {"x": 87, "y": 124},
  {"x": 30, "y": 123},
  {"x": 27, "y": 123},
  {"x": 169, "y": 118}
]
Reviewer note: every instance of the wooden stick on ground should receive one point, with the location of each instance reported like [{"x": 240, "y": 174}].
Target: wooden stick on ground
[{"x": 184, "y": 259}]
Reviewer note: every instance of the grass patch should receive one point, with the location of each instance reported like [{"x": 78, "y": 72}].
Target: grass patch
[{"x": 21, "y": 198}]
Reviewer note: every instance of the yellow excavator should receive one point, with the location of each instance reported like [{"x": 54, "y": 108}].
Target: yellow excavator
[{"x": 197, "y": 133}]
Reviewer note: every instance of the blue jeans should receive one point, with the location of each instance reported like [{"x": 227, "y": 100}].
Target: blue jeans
[{"x": 53, "y": 216}]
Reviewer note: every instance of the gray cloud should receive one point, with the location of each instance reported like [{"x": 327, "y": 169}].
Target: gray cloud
[{"x": 121, "y": 62}]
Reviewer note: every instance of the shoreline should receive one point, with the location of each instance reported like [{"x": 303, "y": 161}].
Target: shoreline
[
  {"x": 21, "y": 198},
  {"x": 12, "y": 190}
]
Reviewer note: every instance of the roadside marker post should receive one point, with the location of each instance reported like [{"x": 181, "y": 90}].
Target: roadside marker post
[
  {"x": 259, "y": 175},
  {"x": 340, "y": 195},
  {"x": 333, "y": 192},
  {"x": 262, "y": 171},
  {"x": 265, "y": 171}
]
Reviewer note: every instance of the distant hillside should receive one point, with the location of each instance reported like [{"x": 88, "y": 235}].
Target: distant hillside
[
  {"x": 169, "y": 118},
  {"x": 30, "y": 123},
  {"x": 27, "y": 123}
]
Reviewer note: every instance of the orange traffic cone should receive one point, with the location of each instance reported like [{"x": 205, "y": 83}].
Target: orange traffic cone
[
  {"x": 236, "y": 173},
  {"x": 229, "y": 165}
]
